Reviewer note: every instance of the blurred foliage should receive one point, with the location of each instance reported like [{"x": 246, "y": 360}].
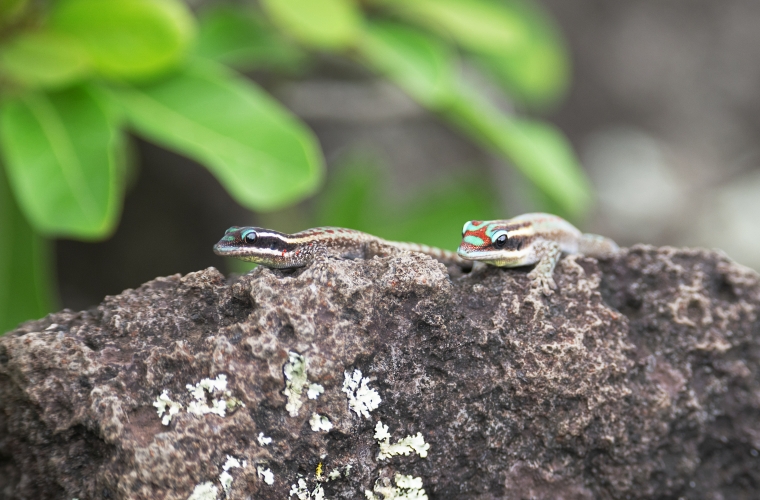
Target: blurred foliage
[
  {"x": 25, "y": 277},
  {"x": 76, "y": 75},
  {"x": 358, "y": 195}
]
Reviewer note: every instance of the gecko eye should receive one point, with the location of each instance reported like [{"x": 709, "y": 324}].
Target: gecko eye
[
  {"x": 499, "y": 239},
  {"x": 250, "y": 237}
]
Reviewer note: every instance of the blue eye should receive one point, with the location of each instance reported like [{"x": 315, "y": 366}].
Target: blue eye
[{"x": 249, "y": 237}]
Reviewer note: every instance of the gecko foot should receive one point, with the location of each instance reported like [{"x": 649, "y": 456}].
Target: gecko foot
[{"x": 542, "y": 281}]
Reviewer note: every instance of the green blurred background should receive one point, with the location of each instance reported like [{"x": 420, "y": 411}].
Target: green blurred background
[{"x": 134, "y": 132}]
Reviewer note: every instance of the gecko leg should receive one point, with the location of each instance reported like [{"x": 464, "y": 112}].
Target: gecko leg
[{"x": 542, "y": 275}]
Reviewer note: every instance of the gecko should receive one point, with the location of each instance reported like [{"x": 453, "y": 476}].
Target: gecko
[
  {"x": 535, "y": 238},
  {"x": 284, "y": 251}
]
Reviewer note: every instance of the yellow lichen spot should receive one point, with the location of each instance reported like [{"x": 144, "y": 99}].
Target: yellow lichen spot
[{"x": 319, "y": 470}]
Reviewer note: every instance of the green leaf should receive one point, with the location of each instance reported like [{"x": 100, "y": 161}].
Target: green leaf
[
  {"x": 43, "y": 59},
  {"x": 426, "y": 70},
  {"x": 537, "y": 149},
  {"x": 421, "y": 65},
  {"x": 513, "y": 40},
  {"x": 60, "y": 154},
  {"x": 239, "y": 37},
  {"x": 261, "y": 154},
  {"x": 26, "y": 287},
  {"x": 478, "y": 25},
  {"x": 537, "y": 72},
  {"x": 128, "y": 39},
  {"x": 324, "y": 24},
  {"x": 547, "y": 158}
]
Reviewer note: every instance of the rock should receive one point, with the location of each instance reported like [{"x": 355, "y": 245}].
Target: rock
[{"x": 638, "y": 378}]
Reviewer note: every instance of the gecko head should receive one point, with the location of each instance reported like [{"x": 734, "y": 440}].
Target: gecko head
[
  {"x": 255, "y": 244},
  {"x": 494, "y": 242}
]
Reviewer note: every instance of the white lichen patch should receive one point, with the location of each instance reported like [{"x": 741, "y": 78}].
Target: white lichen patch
[
  {"x": 407, "y": 488},
  {"x": 202, "y": 393},
  {"x": 408, "y": 482},
  {"x": 295, "y": 380},
  {"x": 232, "y": 402},
  {"x": 206, "y": 389},
  {"x": 314, "y": 391},
  {"x": 166, "y": 407},
  {"x": 200, "y": 408},
  {"x": 301, "y": 491},
  {"x": 381, "y": 432},
  {"x": 410, "y": 444},
  {"x": 219, "y": 384},
  {"x": 318, "y": 493},
  {"x": 320, "y": 423},
  {"x": 204, "y": 491},
  {"x": 232, "y": 463},
  {"x": 333, "y": 475},
  {"x": 225, "y": 478},
  {"x": 266, "y": 475},
  {"x": 361, "y": 398},
  {"x": 264, "y": 440}
]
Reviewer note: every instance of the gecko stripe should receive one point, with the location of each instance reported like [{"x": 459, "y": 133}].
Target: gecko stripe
[
  {"x": 535, "y": 238},
  {"x": 280, "y": 250}
]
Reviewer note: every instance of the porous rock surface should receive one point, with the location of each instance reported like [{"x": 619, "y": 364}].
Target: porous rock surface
[{"x": 638, "y": 378}]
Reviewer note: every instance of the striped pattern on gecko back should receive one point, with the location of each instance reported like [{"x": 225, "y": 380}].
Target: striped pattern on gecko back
[
  {"x": 280, "y": 250},
  {"x": 528, "y": 239}
]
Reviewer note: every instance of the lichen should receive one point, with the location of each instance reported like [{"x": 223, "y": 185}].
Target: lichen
[
  {"x": 225, "y": 478},
  {"x": 204, "y": 491},
  {"x": 318, "y": 493},
  {"x": 405, "y": 446},
  {"x": 210, "y": 385},
  {"x": 264, "y": 440},
  {"x": 302, "y": 492},
  {"x": 219, "y": 406},
  {"x": 232, "y": 402},
  {"x": 320, "y": 423},
  {"x": 407, "y": 488},
  {"x": 265, "y": 474},
  {"x": 314, "y": 391},
  {"x": 295, "y": 380},
  {"x": 361, "y": 398},
  {"x": 164, "y": 404}
]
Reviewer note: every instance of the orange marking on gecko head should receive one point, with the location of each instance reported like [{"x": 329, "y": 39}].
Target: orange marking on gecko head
[{"x": 476, "y": 237}]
